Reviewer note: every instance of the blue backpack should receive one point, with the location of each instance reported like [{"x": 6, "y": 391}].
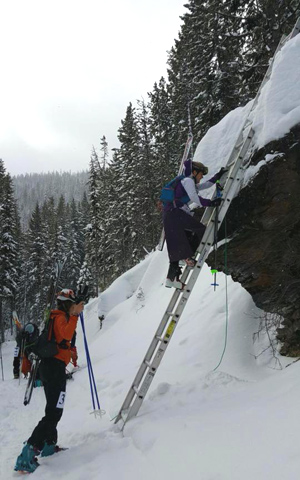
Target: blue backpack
[{"x": 168, "y": 191}]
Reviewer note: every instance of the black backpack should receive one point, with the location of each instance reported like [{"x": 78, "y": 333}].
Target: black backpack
[{"x": 45, "y": 345}]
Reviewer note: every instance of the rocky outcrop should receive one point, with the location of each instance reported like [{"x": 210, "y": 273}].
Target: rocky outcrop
[{"x": 263, "y": 223}]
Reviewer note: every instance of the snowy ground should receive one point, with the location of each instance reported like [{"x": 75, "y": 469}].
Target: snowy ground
[{"x": 237, "y": 422}]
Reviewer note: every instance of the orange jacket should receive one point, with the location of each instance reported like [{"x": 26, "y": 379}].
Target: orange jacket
[{"x": 64, "y": 329}]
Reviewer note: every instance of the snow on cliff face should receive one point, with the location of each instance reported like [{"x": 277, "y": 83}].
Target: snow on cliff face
[{"x": 277, "y": 111}]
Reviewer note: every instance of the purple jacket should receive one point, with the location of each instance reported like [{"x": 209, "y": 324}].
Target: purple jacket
[{"x": 181, "y": 192}]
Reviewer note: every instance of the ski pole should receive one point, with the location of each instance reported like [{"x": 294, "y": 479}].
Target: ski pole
[
  {"x": 89, "y": 372},
  {"x": 93, "y": 388},
  {"x": 1, "y": 361},
  {"x": 21, "y": 358},
  {"x": 92, "y": 378}
]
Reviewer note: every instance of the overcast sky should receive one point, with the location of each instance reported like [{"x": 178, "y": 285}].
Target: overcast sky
[{"x": 69, "y": 69}]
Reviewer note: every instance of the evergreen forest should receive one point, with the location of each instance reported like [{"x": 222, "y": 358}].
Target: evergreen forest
[{"x": 216, "y": 64}]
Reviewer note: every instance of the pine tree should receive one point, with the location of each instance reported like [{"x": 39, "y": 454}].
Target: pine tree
[
  {"x": 162, "y": 131},
  {"x": 147, "y": 185},
  {"x": 126, "y": 202},
  {"x": 94, "y": 231},
  {"x": 105, "y": 181},
  {"x": 263, "y": 26},
  {"x": 36, "y": 268},
  {"x": 204, "y": 65},
  {"x": 63, "y": 233},
  {"x": 8, "y": 249},
  {"x": 73, "y": 248}
]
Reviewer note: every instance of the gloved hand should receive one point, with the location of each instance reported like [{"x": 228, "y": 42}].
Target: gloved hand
[
  {"x": 216, "y": 202},
  {"x": 74, "y": 356},
  {"x": 82, "y": 294},
  {"x": 221, "y": 172}
]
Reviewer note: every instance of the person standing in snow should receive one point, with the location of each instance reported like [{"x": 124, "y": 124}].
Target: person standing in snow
[
  {"x": 183, "y": 232},
  {"x": 52, "y": 371},
  {"x": 25, "y": 338}
]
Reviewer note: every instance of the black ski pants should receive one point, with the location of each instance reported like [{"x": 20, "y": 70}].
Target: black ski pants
[
  {"x": 53, "y": 376},
  {"x": 177, "y": 223},
  {"x": 16, "y": 365}
]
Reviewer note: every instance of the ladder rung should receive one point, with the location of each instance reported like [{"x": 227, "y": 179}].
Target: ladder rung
[
  {"x": 136, "y": 390},
  {"x": 161, "y": 339},
  {"x": 147, "y": 363}
]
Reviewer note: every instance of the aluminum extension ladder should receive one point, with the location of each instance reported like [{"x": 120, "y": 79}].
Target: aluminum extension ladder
[{"x": 236, "y": 166}]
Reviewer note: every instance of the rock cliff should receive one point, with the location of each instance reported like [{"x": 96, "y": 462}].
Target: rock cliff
[{"x": 263, "y": 224}]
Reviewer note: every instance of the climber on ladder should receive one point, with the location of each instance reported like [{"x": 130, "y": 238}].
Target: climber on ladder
[{"x": 183, "y": 232}]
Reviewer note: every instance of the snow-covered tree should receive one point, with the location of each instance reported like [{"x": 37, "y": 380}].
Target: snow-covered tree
[{"x": 8, "y": 249}]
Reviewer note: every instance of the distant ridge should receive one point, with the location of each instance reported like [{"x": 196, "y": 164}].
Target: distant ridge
[{"x": 31, "y": 188}]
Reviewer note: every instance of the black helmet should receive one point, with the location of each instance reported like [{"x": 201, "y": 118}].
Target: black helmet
[{"x": 199, "y": 167}]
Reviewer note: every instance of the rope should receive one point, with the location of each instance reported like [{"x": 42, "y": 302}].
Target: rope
[{"x": 226, "y": 299}]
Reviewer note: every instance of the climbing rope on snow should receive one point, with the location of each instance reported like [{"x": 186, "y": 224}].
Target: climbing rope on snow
[{"x": 226, "y": 299}]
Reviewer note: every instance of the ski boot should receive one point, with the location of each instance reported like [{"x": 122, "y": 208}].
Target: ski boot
[
  {"x": 173, "y": 277},
  {"x": 27, "y": 461},
  {"x": 190, "y": 262},
  {"x": 37, "y": 383},
  {"x": 50, "y": 449}
]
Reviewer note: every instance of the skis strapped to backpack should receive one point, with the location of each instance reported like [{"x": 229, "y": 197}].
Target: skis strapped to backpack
[
  {"x": 45, "y": 340},
  {"x": 185, "y": 156},
  {"x": 35, "y": 362}
]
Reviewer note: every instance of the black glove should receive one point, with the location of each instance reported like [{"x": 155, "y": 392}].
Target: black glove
[
  {"x": 82, "y": 294},
  {"x": 221, "y": 173},
  {"x": 216, "y": 202}
]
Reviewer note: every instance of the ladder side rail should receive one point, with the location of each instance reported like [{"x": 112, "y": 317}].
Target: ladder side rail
[
  {"x": 232, "y": 184},
  {"x": 231, "y": 176},
  {"x": 171, "y": 328},
  {"x": 203, "y": 251},
  {"x": 152, "y": 348},
  {"x": 247, "y": 121},
  {"x": 140, "y": 395},
  {"x": 154, "y": 343}
]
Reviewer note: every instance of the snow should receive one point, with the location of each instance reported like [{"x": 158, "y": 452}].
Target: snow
[
  {"x": 231, "y": 423},
  {"x": 252, "y": 170},
  {"x": 277, "y": 111},
  {"x": 198, "y": 421}
]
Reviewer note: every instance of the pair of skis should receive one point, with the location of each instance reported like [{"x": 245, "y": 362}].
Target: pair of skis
[
  {"x": 185, "y": 156},
  {"x": 35, "y": 361}
]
